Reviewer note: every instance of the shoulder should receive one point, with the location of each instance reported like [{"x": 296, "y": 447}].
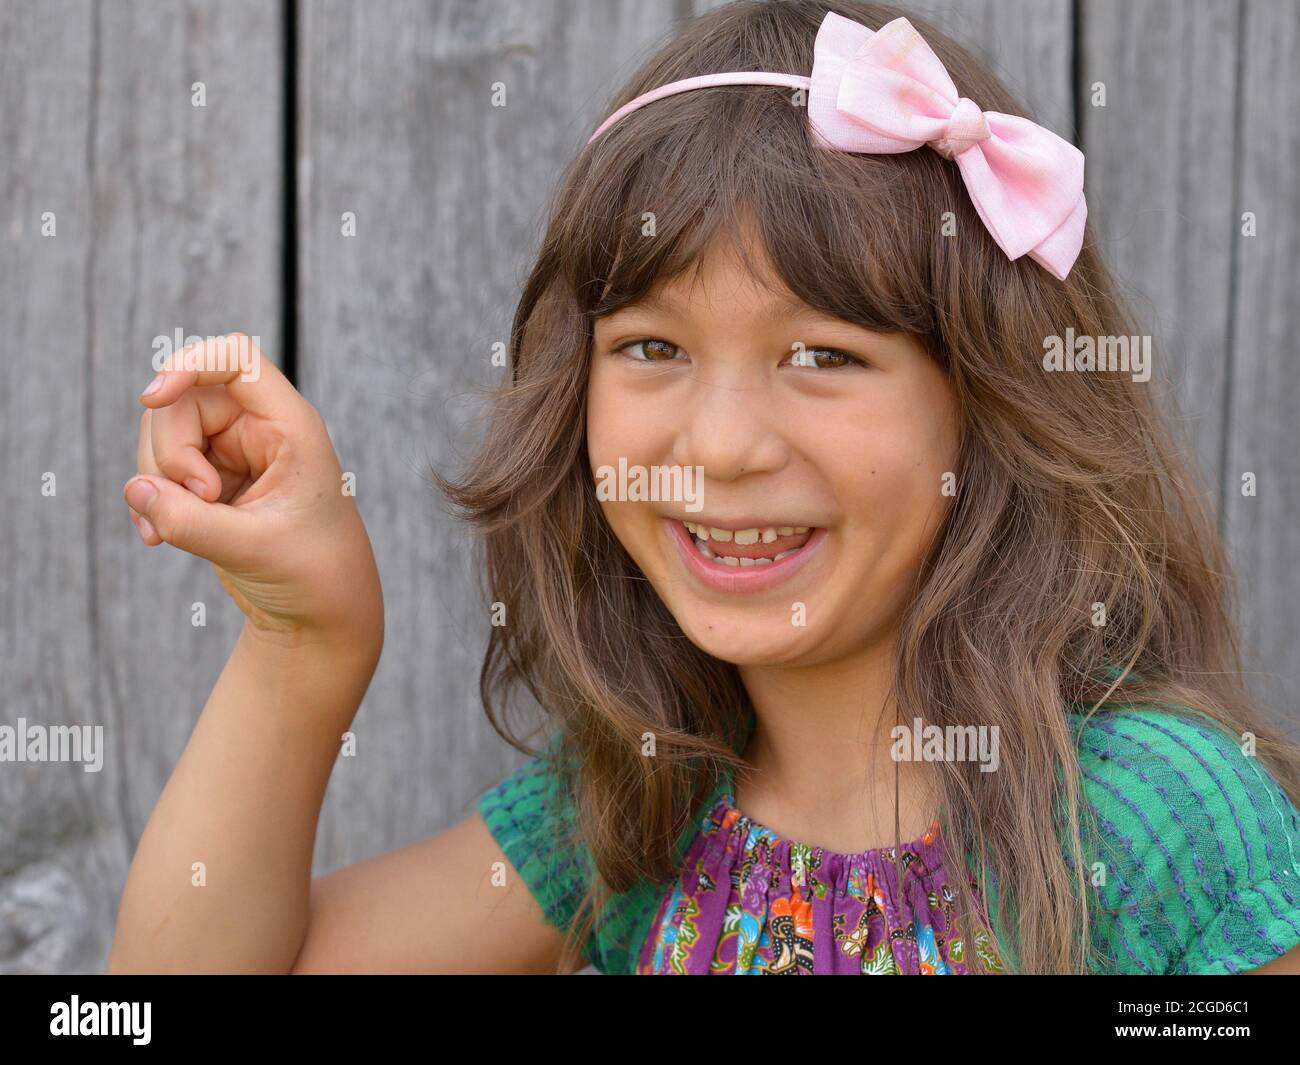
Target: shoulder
[
  {"x": 1196, "y": 851},
  {"x": 532, "y": 815}
]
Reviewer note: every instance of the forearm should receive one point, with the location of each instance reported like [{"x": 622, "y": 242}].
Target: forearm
[{"x": 221, "y": 880}]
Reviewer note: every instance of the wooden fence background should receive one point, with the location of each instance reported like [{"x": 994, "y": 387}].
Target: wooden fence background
[{"x": 227, "y": 216}]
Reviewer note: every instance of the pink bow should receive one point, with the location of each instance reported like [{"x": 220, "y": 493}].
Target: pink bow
[{"x": 887, "y": 92}]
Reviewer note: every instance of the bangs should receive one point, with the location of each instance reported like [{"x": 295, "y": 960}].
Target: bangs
[{"x": 854, "y": 236}]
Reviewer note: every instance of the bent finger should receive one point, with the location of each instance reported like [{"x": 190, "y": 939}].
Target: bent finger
[
  {"x": 178, "y": 437},
  {"x": 235, "y": 362}
]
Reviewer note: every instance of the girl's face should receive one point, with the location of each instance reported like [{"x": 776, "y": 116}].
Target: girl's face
[{"x": 820, "y": 442}]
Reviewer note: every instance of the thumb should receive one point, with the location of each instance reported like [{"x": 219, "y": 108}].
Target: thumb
[{"x": 214, "y": 531}]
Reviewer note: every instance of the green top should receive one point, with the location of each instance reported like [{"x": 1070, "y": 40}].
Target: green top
[{"x": 1197, "y": 864}]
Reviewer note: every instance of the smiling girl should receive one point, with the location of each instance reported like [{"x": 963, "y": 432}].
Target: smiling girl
[{"x": 907, "y": 520}]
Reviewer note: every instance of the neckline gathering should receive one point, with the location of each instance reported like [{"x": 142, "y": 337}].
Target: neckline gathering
[{"x": 722, "y": 804}]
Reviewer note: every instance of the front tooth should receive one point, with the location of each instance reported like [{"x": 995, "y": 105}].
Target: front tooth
[
  {"x": 769, "y": 534},
  {"x": 728, "y": 560},
  {"x": 746, "y": 536},
  {"x": 786, "y": 530},
  {"x": 721, "y": 535},
  {"x": 799, "y": 530},
  {"x": 746, "y": 561}
]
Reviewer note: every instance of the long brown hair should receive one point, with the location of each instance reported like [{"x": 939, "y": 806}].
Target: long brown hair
[{"x": 1070, "y": 491}]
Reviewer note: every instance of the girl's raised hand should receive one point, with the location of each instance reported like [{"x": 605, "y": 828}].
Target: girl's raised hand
[{"x": 238, "y": 468}]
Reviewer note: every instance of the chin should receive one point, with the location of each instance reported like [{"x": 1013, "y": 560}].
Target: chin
[{"x": 747, "y": 635}]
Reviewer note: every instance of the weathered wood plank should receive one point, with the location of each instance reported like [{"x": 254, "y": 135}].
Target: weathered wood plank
[
  {"x": 1159, "y": 185},
  {"x": 169, "y": 217},
  {"x": 1263, "y": 390},
  {"x": 57, "y": 839}
]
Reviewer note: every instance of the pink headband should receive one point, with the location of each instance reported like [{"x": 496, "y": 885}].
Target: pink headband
[{"x": 887, "y": 92}]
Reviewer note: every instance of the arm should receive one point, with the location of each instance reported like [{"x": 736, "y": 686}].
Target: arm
[
  {"x": 244, "y": 800},
  {"x": 241, "y": 471},
  {"x": 430, "y": 907}
]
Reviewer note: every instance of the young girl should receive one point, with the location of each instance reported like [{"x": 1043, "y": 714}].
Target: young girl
[{"x": 922, "y": 661}]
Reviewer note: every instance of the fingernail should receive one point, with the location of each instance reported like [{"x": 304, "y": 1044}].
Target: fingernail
[
  {"x": 145, "y": 529},
  {"x": 153, "y": 386},
  {"x": 140, "y": 493}
]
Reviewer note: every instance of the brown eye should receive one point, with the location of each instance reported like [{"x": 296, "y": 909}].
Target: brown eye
[
  {"x": 824, "y": 358},
  {"x": 655, "y": 350}
]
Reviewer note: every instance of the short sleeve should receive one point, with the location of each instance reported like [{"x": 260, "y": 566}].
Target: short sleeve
[
  {"x": 1196, "y": 847},
  {"x": 531, "y": 816}
]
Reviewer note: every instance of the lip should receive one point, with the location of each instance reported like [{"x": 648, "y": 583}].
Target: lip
[{"x": 723, "y": 578}]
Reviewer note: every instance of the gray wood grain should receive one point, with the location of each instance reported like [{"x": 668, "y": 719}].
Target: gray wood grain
[
  {"x": 168, "y": 216},
  {"x": 57, "y": 841},
  {"x": 1159, "y": 185},
  {"x": 1262, "y": 393}
]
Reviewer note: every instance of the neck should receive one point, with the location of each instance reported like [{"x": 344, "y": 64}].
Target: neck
[{"x": 819, "y": 755}]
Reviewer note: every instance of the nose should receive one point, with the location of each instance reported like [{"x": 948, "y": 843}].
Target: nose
[{"x": 729, "y": 427}]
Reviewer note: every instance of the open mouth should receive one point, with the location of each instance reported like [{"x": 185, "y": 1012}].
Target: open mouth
[
  {"x": 756, "y": 546},
  {"x": 755, "y": 559}
]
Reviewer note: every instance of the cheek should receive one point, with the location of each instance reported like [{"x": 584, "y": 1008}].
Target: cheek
[
  {"x": 619, "y": 428},
  {"x": 618, "y": 423},
  {"x": 890, "y": 467},
  {"x": 894, "y": 476}
]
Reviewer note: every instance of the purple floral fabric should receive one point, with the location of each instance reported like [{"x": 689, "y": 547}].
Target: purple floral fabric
[{"x": 751, "y": 902}]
